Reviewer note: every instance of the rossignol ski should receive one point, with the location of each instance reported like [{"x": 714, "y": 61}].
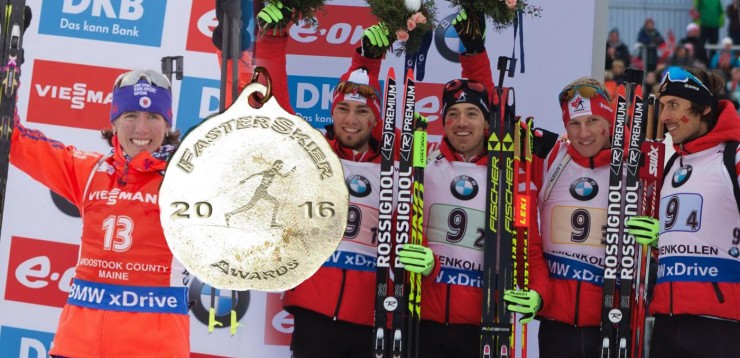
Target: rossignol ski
[
  {"x": 417, "y": 224},
  {"x": 651, "y": 177},
  {"x": 399, "y": 348},
  {"x": 623, "y": 202},
  {"x": 384, "y": 305},
  {"x": 11, "y": 53},
  {"x": 497, "y": 327}
]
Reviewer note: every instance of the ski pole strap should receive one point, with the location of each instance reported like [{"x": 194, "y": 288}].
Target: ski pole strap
[{"x": 554, "y": 178}]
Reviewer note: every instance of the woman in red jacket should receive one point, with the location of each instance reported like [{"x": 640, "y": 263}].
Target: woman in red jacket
[{"x": 126, "y": 279}]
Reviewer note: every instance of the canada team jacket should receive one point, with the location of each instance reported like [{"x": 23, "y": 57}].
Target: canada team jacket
[
  {"x": 566, "y": 256},
  {"x": 698, "y": 262},
  {"x": 127, "y": 297}
]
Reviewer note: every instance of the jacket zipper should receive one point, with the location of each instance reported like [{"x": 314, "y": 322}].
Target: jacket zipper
[
  {"x": 718, "y": 292},
  {"x": 341, "y": 293}
]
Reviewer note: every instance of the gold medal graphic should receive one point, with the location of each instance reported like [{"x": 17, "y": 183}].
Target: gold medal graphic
[{"x": 253, "y": 198}]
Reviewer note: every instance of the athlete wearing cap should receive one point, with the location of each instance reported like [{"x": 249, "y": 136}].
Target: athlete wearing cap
[
  {"x": 696, "y": 301},
  {"x": 127, "y": 297},
  {"x": 572, "y": 184}
]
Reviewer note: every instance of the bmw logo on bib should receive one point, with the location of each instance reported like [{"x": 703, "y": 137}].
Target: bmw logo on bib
[
  {"x": 584, "y": 189},
  {"x": 464, "y": 187},
  {"x": 358, "y": 186},
  {"x": 681, "y": 176}
]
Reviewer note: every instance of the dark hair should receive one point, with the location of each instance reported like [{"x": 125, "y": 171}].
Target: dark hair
[
  {"x": 172, "y": 137},
  {"x": 716, "y": 84}
]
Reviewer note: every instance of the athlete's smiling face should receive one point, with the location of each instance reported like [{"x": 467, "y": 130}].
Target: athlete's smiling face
[
  {"x": 465, "y": 128},
  {"x": 588, "y": 134},
  {"x": 140, "y": 131},
  {"x": 353, "y": 124}
]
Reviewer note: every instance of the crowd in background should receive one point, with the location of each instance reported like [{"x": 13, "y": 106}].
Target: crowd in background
[{"x": 701, "y": 47}]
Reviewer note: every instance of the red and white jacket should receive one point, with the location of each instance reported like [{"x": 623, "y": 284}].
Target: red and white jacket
[
  {"x": 347, "y": 291},
  {"x": 455, "y": 187},
  {"x": 698, "y": 262},
  {"x": 566, "y": 264},
  {"x": 126, "y": 281}
]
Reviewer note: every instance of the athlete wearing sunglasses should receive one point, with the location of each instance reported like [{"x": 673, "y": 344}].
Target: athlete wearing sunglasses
[
  {"x": 123, "y": 251},
  {"x": 451, "y": 307},
  {"x": 697, "y": 311},
  {"x": 572, "y": 184}
]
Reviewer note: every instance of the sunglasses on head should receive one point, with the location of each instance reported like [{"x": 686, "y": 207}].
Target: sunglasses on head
[
  {"x": 133, "y": 77},
  {"x": 586, "y": 91},
  {"x": 678, "y": 74},
  {"x": 474, "y": 86}
]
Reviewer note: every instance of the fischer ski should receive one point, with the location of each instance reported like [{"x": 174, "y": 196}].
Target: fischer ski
[
  {"x": 417, "y": 224},
  {"x": 623, "y": 204},
  {"x": 497, "y": 328},
  {"x": 11, "y": 54},
  {"x": 384, "y": 305},
  {"x": 651, "y": 176}
]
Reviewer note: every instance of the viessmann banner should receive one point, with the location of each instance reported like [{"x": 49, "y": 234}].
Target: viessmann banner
[{"x": 76, "y": 48}]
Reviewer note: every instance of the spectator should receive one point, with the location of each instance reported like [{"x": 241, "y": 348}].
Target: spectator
[
  {"x": 710, "y": 17},
  {"x": 616, "y": 50},
  {"x": 733, "y": 15},
  {"x": 725, "y": 59},
  {"x": 693, "y": 38},
  {"x": 650, "y": 39},
  {"x": 682, "y": 57},
  {"x": 618, "y": 69},
  {"x": 733, "y": 87}
]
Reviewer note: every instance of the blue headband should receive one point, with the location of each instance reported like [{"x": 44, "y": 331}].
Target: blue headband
[{"x": 144, "y": 97}]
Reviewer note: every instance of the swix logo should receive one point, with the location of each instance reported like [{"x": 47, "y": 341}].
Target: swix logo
[
  {"x": 19, "y": 342},
  {"x": 111, "y": 197},
  {"x": 125, "y": 21},
  {"x": 278, "y": 323},
  {"x": 334, "y": 35},
  {"x": 71, "y": 95},
  {"x": 40, "y": 272},
  {"x": 653, "y": 165}
]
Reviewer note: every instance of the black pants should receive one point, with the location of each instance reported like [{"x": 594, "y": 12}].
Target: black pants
[
  {"x": 694, "y": 336},
  {"x": 560, "y": 340},
  {"x": 439, "y": 340},
  {"x": 319, "y": 336}
]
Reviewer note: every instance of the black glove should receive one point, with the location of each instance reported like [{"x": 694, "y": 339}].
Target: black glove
[
  {"x": 543, "y": 141},
  {"x": 471, "y": 29},
  {"x": 27, "y": 15}
]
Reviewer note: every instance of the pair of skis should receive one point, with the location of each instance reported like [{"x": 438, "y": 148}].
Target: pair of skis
[
  {"x": 523, "y": 213},
  {"x": 12, "y": 22},
  {"x": 498, "y": 325},
  {"x": 651, "y": 181},
  {"x": 620, "y": 271},
  {"x": 400, "y": 339}
]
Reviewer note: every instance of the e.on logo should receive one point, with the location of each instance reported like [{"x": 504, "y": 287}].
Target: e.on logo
[
  {"x": 429, "y": 104},
  {"x": 338, "y": 32},
  {"x": 71, "y": 95},
  {"x": 39, "y": 271},
  {"x": 200, "y": 29},
  {"x": 278, "y": 323}
]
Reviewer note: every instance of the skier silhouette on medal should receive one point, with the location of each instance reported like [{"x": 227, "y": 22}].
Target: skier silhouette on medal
[{"x": 261, "y": 192}]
